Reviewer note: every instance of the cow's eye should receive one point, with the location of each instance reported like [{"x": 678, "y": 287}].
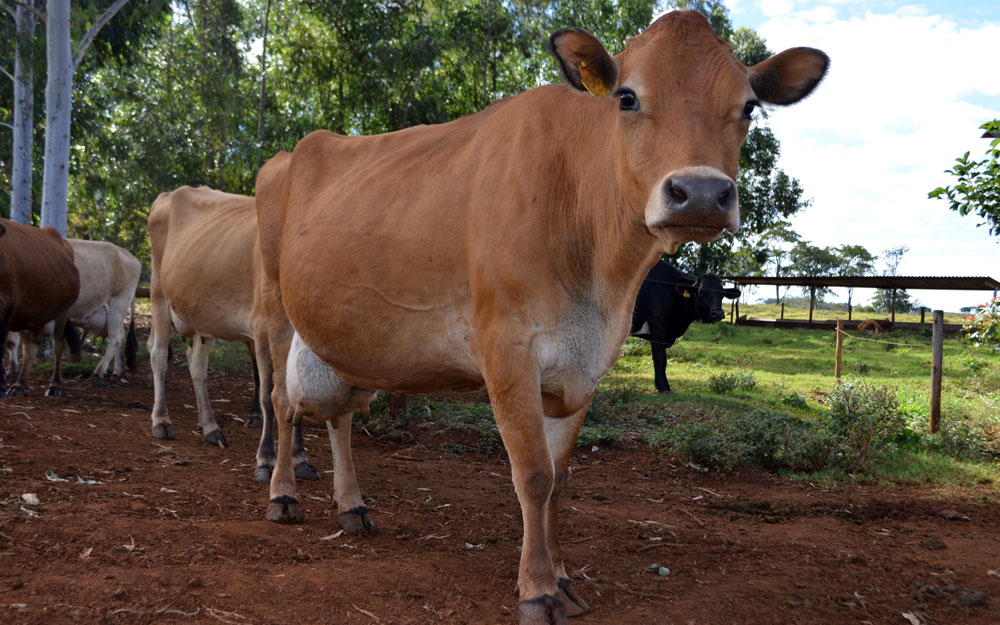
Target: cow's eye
[
  {"x": 627, "y": 100},
  {"x": 749, "y": 107}
]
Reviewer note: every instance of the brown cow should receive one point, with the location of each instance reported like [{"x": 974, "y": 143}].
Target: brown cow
[
  {"x": 205, "y": 264},
  {"x": 38, "y": 284},
  {"x": 505, "y": 249},
  {"x": 875, "y": 326}
]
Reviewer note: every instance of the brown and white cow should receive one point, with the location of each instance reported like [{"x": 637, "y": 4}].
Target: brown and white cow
[
  {"x": 205, "y": 267},
  {"x": 109, "y": 276},
  {"x": 38, "y": 284},
  {"x": 505, "y": 249}
]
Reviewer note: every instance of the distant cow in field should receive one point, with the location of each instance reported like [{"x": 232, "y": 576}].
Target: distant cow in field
[
  {"x": 505, "y": 249},
  {"x": 669, "y": 301},
  {"x": 205, "y": 268},
  {"x": 38, "y": 284},
  {"x": 875, "y": 326}
]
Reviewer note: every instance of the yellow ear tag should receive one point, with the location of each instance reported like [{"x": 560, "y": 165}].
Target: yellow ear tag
[
  {"x": 591, "y": 81},
  {"x": 687, "y": 293}
]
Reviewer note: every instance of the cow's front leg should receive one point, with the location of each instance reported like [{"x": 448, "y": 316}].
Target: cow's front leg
[
  {"x": 513, "y": 383},
  {"x": 58, "y": 346},
  {"x": 353, "y": 514},
  {"x": 660, "y": 367},
  {"x": 28, "y": 353},
  {"x": 197, "y": 356},
  {"x": 561, "y": 434}
]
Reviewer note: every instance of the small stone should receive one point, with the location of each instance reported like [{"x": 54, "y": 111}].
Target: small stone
[
  {"x": 653, "y": 568},
  {"x": 599, "y": 497},
  {"x": 954, "y": 515},
  {"x": 118, "y": 593},
  {"x": 663, "y": 571},
  {"x": 971, "y": 598},
  {"x": 30, "y": 499},
  {"x": 933, "y": 544}
]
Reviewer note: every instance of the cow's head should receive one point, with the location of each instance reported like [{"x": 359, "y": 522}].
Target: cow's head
[
  {"x": 684, "y": 105},
  {"x": 706, "y": 293}
]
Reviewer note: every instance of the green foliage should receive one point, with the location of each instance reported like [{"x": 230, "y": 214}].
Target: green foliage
[
  {"x": 984, "y": 328},
  {"x": 977, "y": 189},
  {"x": 867, "y": 418},
  {"x": 732, "y": 381}
]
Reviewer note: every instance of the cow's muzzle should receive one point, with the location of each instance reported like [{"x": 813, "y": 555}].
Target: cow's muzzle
[{"x": 694, "y": 204}]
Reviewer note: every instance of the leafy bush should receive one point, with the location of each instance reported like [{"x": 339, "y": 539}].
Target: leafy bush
[
  {"x": 795, "y": 400},
  {"x": 867, "y": 418},
  {"x": 742, "y": 380},
  {"x": 863, "y": 368},
  {"x": 984, "y": 328}
]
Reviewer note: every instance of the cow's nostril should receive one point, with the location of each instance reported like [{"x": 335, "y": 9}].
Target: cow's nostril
[
  {"x": 725, "y": 198},
  {"x": 676, "y": 193}
]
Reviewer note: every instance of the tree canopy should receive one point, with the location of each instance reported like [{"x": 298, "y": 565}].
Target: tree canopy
[{"x": 977, "y": 189}]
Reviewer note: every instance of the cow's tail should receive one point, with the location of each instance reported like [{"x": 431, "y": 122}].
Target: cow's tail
[
  {"x": 73, "y": 339},
  {"x": 131, "y": 343}
]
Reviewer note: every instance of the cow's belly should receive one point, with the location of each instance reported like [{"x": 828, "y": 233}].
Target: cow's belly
[
  {"x": 406, "y": 350},
  {"x": 211, "y": 324},
  {"x": 94, "y": 321}
]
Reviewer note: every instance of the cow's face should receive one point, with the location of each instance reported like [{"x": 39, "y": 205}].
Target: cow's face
[
  {"x": 684, "y": 105},
  {"x": 707, "y": 293}
]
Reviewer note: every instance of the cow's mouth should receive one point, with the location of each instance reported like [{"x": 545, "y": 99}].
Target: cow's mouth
[{"x": 698, "y": 234}]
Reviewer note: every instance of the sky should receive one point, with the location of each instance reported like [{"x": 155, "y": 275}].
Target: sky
[{"x": 908, "y": 86}]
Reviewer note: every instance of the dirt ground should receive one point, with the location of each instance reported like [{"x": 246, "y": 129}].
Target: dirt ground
[{"x": 175, "y": 533}]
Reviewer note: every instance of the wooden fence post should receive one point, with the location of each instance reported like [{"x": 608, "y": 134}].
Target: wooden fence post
[
  {"x": 937, "y": 362},
  {"x": 812, "y": 302},
  {"x": 732, "y": 313},
  {"x": 923, "y": 309},
  {"x": 840, "y": 348}
]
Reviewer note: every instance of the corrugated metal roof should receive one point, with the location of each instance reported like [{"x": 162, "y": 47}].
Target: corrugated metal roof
[{"x": 957, "y": 283}]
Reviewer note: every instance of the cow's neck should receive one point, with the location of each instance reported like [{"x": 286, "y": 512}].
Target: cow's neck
[{"x": 605, "y": 246}]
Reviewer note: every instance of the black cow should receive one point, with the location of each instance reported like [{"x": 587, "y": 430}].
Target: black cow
[{"x": 668, "y": 301}]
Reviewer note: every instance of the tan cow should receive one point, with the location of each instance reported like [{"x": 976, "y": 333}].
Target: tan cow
[
  {"x": 38, "y": 284},
  {"x": 205, "y": 265},
  {"x": 505, "y": 249},
  {"x": 108, "y": 279}
]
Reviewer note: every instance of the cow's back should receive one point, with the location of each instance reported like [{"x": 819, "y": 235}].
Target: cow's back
[
  {"x": 204, "y": 246},
  {"x": 40, "y": 281}
]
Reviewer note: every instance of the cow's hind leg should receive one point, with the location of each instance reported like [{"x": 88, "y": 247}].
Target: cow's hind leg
[
  {"x": 353, "y": 514},
  {"x": 28, "y": 352},
  {"x": 560, "y": 435},
  {"x": 159, "y": 356},
  {"x": 198, "y": 366},
  {"x": 304, "y": 469},
  {"x": 256, "y": 417},
  {"x": 660, "y": 367}
]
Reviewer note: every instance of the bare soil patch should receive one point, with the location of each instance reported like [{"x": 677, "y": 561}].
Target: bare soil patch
[{"x": 174, "y": 533}]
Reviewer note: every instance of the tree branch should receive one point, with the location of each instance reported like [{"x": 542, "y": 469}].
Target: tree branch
[
  {"x": 6, "y": 73},
  {"x": 96, "y": 28},
  {"x": 27, "y": 5},
  {"x": 6, "y": 125}
]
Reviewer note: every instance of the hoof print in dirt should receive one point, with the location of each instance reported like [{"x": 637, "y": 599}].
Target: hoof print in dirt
[
  {"x": 216, "y": 439},
  {"x": 163, "y": 431},
  {"x": 306, "y": 471},
  {"x": 284, "y": 509},
  {"x": 544, "y": 610},
  {"x": 357, "y": 521}
]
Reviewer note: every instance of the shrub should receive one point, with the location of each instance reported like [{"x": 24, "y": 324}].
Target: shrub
[
  {"x": 984, "y": 328},
  {"x": 863, "y": 368},
  {"x": 867, "y": 418},
  {"x": 742, "y": 380}
]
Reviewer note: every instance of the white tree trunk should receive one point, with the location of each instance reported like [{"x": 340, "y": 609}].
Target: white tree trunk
[
  {"x": 20, "y": 188},
  {"x": 58, "y": 108}
]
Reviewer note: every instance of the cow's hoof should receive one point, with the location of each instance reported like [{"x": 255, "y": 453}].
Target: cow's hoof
[
  {"x": 263, "y": 474},
  {"x": 163, "y": 431},
  {"x": 572, "y": 601},
  {"x": 544, "y": 610},
  {"x": 215, "y": 437},
  {"x": 3, "y": 394},
  {"x": 53, "y": 391},
  {"x": 663, "y": 391},
  {"x": 357, "y": 521},
  {"x": 254, "y": 421},
  {"x": 284, "y": 509},
  {"x": 306, "y": 471}
]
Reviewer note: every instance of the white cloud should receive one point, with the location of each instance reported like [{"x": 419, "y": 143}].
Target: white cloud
[{"x": 898, "y": 105}]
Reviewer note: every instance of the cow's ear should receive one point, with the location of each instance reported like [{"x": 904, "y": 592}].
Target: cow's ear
[
  {"x": 790, "y": 76},
  {"x": 584, "y": 61},
  {"x": 731, "y": 293}
]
